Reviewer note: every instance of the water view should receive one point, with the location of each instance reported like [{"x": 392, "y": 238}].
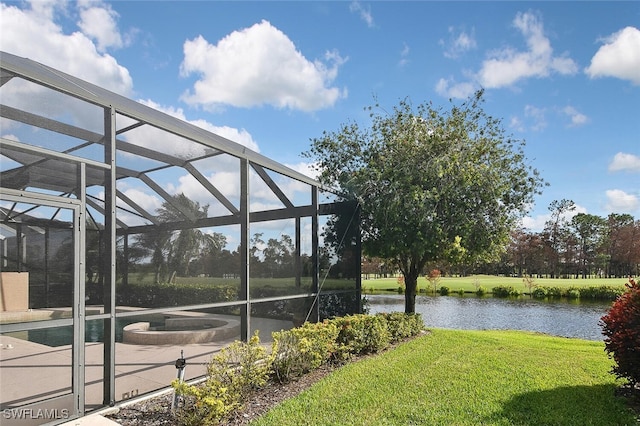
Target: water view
[{"x": 558, "y": 318}]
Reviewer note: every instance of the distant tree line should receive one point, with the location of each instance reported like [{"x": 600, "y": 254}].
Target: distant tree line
[
  {"x": 583, "y": 246},
  {"x": 191, "y": 252}
]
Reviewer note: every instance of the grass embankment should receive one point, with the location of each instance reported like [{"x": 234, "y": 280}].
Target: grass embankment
[
  {"x": 469, "y": 284},
  {"x": 452, "y": 377}
]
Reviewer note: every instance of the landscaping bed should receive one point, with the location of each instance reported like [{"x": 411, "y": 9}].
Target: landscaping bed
[{"x": 494, "y": 377}]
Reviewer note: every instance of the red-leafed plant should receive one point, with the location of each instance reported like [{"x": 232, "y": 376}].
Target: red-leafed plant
[{"x": 621, "y": 328}]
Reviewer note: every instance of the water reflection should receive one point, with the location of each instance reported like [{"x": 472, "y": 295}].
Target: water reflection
[{"x": 558, "y": 318}]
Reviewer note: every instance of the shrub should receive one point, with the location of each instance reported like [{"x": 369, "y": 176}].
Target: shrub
[
  {"x": 168, "y": 294},
  {"x": 461, "y": 292},
  {"x": 539, "y": 293},
  {"x": 504, "y": 291},
  {"x": 299, "y": 350},
  {"x": 401, "y": 326},
  {"x": 481, "y": 291},
  {"x": 358, "y": 334},
  {"x": 241, "y": 365},
  {"x": 231, "y": 375},
  {"x": 444, "y": 291},
  {"x": 601, "y": 293},
  {"x": 621, "y": 328},
  {"x": 573, "y": 293},
  {"x": 554, "y": 292}
]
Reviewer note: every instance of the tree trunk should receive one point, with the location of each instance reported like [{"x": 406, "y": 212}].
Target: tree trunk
[{"x": 411, "y": 285}]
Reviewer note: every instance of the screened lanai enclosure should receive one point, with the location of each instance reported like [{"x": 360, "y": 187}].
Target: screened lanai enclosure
[{"x": 128, "y": 237}]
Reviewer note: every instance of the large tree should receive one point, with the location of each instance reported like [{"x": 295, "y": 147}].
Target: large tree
[
  {"x": 556, "y": 234},
  {"x": 432, "y": 183},
  {"x": 589, "y": 231}
]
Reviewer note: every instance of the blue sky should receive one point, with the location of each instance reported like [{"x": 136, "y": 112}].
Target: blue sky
[{"x": 564, "y": 76}]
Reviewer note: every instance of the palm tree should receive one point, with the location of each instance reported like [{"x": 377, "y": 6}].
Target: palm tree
[{"x": 174, "y": 250}]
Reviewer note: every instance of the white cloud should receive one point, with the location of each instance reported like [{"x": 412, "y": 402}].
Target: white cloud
[
  {"x": 306, "y": 169},
  {"x": 259, "y": 65},
  {"x": 625, "y": 162},
  {"x": 459, "y": 42},
  {"x": 516, "y": 123},
  {"x": 221, "y": 170},
  {"x": 10, "y": 137},
  {"x": 365, "y": 13},
  {"x": 33, "y": 33},
  {"x": 507, "y": 66},
  {"x": 404, "y": 55},
  {"x": 449, "y": 88},
  {"x": 537, "y": 115},
  {"x": 166, "y": 142},
  {"x": 150, "y": 203},
  {"x": 619, "y": 201},
  {"x": 538, "y": 222},
  {"x": 577, "y": 118},
  {"x": 100, "y": 23},
  {"x": 619, "y": 57}
]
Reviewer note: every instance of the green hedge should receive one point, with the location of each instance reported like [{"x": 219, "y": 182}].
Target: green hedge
[
  {"x": 164, "y": 295},
  {"x": 243, "y": 367},
  {"x": 504, "y": 291},
  {"x": 586, "y": 293}
]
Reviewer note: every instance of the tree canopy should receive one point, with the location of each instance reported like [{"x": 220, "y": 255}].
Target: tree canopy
[{"x": 432, "y": 183}]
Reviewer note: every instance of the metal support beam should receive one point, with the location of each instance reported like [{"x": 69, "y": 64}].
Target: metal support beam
[
  {"x": 273, "y": 186},
  {"x": 79, "y": 292},
  {"x": 315, "y": 240},
  {"x": 245, "y": 229},
  {"x": 109, "y": 285},
  {"x": 298, "y": 252},
  {"x": 358, "y": 256}
]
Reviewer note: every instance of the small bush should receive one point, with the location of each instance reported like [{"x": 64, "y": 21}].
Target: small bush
[
  {"x": 539, "y": 293},
  {"x": 504, "y": 291},
  {"x": 601, "y": 293},
  {"x": 444, "y": 291},
  {"x": 358, "y": 334},
  {"x": 460, "y": 292},
  {"x": 481, "y": 291},
  {"x": 241, "y": 365},
  {"x": 554, "y": 292},
  {"x": 573, "y": 293},
  {"x": 401, "y": 326},
  {"x": 621, "y": 328},
  {"x": 235, "y": 371},
  {"x": 302, "y": 349}
]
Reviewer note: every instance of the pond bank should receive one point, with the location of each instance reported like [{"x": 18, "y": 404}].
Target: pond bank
[{"x": 558, "y": 318}]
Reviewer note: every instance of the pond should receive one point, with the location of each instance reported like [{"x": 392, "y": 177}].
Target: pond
[{"x": 558, "y": 318}]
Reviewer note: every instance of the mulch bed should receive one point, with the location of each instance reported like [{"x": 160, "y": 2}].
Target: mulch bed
[{"x": 157, "y": 411}]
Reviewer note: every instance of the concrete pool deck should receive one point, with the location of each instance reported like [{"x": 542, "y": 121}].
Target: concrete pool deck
[{"x": 33, "y": 372}]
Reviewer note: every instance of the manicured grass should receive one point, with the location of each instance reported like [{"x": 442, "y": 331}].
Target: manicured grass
[
  {"x": 287, "y": 282},
  {"x": 468, "y": 284},
  {"x": 452, "y": 377}
]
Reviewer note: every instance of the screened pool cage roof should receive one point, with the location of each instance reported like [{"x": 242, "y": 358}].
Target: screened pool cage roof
[{"x": 54, "y": 167}]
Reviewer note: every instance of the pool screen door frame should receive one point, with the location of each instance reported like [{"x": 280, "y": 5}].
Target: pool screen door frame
[{"x": 74, "y": 401}]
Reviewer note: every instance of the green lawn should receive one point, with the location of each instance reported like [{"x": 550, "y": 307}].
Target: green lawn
[
  {"x": 468, "y": 284},
  {"x": 452, "y": 377}
]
